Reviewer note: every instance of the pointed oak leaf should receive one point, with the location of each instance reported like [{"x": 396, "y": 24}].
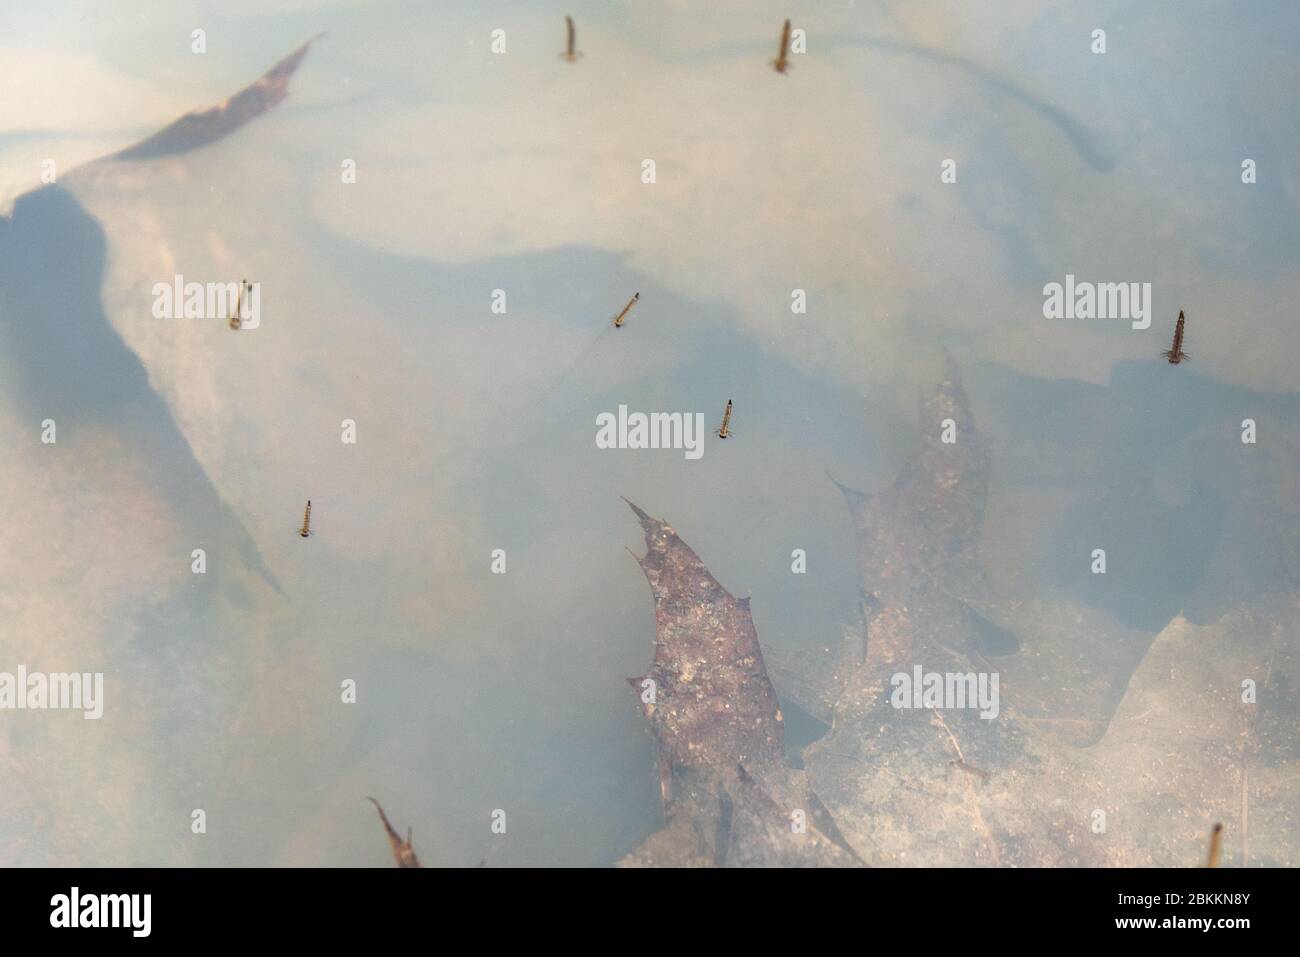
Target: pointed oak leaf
[
  {"x": 712, "y": 703},
  {"x": 730, "y": 799}
]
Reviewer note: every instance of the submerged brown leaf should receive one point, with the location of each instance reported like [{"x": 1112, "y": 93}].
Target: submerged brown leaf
[
  {"x": 945, "y": 787},
  {"x": 200, "y": 128},
  {"x": 711, "y": 703},
  {"x": 403, "y": 852},
  {"x": 729, "y": 797}
]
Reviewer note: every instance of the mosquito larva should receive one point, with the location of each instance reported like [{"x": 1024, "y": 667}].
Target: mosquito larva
[
  {"x": 782, "y": 60},
  {"x": 723, "y": 432},
  {"x": 236, "y": 317},
  {"x": 1176, "y": 354},
  {"x": 1216, "y": 846},
  {"x": 618, "y": 320},
  {"x": 570, "y": 52},
  {"x": 306, "y": 521}
]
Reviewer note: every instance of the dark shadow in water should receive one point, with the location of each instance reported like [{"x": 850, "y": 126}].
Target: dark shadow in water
[
  {"x": 171, "y": 654},
  {"x": 66, "y": 362},
  {"x": 1158, "y": 554},
  {"x": 1218, "y": 537},
  {"x": 992, "y": 639},
  {"x": 801, "y": 730}
]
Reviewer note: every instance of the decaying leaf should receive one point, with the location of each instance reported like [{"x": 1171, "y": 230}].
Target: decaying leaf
[
  {"x": 947, "y": 787},
  {"x": 207, "y": 126},
  {"x": 912, "y": 785},
  {"x": 729, "y": 797},
  {"x": 711, "y": 703},
  {"x": 403, "y": 852},
  {"x": 1096, "y": 751}
]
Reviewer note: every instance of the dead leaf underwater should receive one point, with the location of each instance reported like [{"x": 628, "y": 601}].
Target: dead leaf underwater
[
  {"x": 729, "y": 797},
  {"x": 403, "y": 852},
  {"x": 1102, "y": 752},
  {"x": 200, "y": 128}
]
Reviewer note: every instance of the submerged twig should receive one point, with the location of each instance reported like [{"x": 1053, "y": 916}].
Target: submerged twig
[
  {"x": 961, "y": 758},
  {"x": 961, "y": 761}
]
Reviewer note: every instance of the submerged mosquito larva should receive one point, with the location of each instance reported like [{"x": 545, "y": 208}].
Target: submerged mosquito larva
[
  {"x": 1176, "y": 354},
  {"x": 782, "y": 60},
  {"x": 723, "y": 432},
  {"x": 570, "y": 52},
  {"x": 618, "y": 320},
  {"x": 236, "y": 317},
  {"x": 1216, "y": 846}
]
